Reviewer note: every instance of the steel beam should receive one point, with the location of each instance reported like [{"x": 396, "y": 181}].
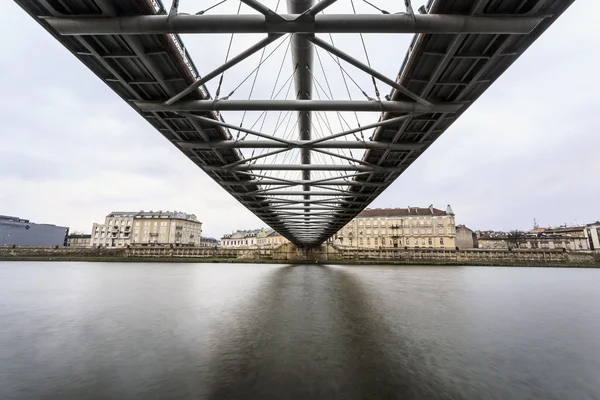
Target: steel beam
[
  {"x": 353, "y": 61},
  {"x": 235, "y": 60},
  {"x": 266, "y": 182},
  {"x": 299, "y": 105},
  {"x": 302, "y": 64},
  {"x": 331, "y": 23},
  {"x": 268, "y": 144},
  {"x": 300, "y": 167}
]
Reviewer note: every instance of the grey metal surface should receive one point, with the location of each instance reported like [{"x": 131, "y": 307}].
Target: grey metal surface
[
  {"x": 31, "y": 234},
  {"x": 461, "y": 48},
  {"x": 348, "y": 23}
]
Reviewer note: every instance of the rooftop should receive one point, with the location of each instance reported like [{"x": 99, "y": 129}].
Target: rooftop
[
  {"x": 153, "y": 214},
  {"x": 401, "y": 212}
]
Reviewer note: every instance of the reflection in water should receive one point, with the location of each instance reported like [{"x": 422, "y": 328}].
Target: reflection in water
[{"x": 180, "y": 331}]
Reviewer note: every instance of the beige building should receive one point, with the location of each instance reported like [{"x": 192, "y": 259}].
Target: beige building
[
  {"x": 592, "y": 234},
  {"x": 78, "y": 240},
  {"x": 144, "y": 228},
  {"x": 465, "y": 238},
  {"x": 411, "y": 227},
  {"x": 275, "y": 239}
]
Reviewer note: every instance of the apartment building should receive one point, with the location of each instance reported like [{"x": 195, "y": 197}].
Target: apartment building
[
  {"x": 592, "y": 233},
  {"x": 147, "y": 228},
  {"x": 253, "y": 238},
  {"x": 78, "y": 240},
  {"x": 243, "y": 238},
  {"x": 411, "y": 227}
]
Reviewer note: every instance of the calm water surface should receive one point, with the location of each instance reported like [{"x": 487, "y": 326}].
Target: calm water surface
[{"x": 222, "y": 331}]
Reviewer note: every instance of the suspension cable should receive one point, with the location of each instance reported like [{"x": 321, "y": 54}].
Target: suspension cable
[
  {"x": 367, "y": 56},
  {"x": 375, "y": 7},
  {"x": 210, "y": 8},
  {"x": 226, "y": 59}
]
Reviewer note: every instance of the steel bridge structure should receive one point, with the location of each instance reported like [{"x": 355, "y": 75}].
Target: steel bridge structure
[{"x": 459, "y": 48}]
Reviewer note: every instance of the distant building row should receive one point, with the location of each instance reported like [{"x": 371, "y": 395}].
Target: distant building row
[
  {"x": 412, "y": 227},
  {"x": 585, "y": 237}
]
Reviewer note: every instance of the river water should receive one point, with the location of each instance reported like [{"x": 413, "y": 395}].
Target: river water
[{"x": 226, "y": 331}]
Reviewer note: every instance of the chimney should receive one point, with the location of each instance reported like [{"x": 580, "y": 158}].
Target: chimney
[
  {"x": 431, "y": 208},
  {"x": 449, "y": 210},
  {"x": 409, "y": 209}
]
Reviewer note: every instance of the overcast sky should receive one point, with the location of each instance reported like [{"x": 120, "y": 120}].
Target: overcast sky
[{"x": 71, "y": 150}]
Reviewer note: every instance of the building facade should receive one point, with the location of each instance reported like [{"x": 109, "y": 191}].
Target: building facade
[
  {"x": 254, "y": 238},
  {"x": 208, "y": 242},
  {"x": 79, "y": 240},
  {"x": 15, "y": 231},
  {"x": 411, "y": 227},
  {"x": 592, "y": 234},
  {"x": 242, "y": 238},
  {"x": 465, "y": 238},
  {"x": 571, "y": 238},
  {"x": 275, "y": 239},
  {"x": 147, "y": 228}
]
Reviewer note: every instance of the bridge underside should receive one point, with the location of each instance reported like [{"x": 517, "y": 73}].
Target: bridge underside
[{"x": 459, "y": 49}]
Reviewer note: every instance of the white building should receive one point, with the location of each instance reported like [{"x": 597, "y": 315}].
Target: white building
[
  {"x": 242, "y": 238},
  {"x": 153, "y": 227}
]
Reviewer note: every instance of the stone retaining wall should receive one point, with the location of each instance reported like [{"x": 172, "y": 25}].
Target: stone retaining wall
[{"x": 326, "y": 253}]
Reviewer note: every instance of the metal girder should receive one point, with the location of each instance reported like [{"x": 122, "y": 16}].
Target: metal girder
[
  {"x": 299, "y": 193},
  {"x": 338, "y": 23},
  {"x": 224, "y": 67},
  {"x": 268, "y": 144},
  {"x": 300, "y": 183},
  {"x": 302, "y": 64},
  {"x": 300, "y": 167},
  {"x": 298, "y": 105},
  {"x": 358, "y": 64}
]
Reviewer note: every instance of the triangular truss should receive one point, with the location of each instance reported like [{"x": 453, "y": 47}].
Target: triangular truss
[{"x": 301, "y": 176}]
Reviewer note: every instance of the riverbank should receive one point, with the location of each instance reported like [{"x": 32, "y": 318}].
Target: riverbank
[{"x": 287, "y": 254}]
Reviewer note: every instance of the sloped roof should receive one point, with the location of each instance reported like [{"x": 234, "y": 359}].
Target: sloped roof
[{"x": 400, "y": 212}]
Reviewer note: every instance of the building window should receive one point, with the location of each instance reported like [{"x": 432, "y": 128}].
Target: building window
[
  {"x": 442, "y": 241},
  {"x": 376, "y": 241},
  {"x": 383, "y": 241},
  {"x": 430, "y": 242},
  {"x": 360, "y": 241},
  {"x": 368, "y": 241}
]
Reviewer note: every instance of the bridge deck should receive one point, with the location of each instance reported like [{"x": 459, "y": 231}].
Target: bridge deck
[{"x": 445, "y": 69}]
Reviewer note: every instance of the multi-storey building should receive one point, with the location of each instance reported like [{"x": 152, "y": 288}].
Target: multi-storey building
[
  {"x": 145, "y": 228},
  {"x": 242, "y": 238},
  {"x": 592, "y": 233},
  {"x": 15, "y": 231},
  {"x": 78, "y": 240},
  {"x": 253, "y": 238},
  {"x": 411, "y": 227},
  {"x": 275, "y": 239},
  {"x": 208, "y": 242}
]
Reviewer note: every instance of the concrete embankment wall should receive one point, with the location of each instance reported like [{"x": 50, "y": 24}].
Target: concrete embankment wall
[{"x": 325, "y": 254}]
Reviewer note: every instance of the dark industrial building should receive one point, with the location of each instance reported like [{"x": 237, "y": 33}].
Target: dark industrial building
[{"x": 22, "y": 232}]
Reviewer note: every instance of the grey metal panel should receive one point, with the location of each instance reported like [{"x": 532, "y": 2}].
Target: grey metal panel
[{"x": 31, "y": 234}]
